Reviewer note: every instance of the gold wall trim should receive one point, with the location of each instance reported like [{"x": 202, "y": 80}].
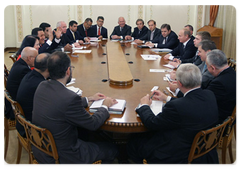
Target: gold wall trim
[
  {"x": 19, "y": 23},
  {"x": 199, "y": 16},
  {"x": 79, "y": 13},
  {"x": 140, "y": 11}
]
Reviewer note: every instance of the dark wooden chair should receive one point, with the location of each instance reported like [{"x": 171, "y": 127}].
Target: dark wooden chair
[
  {"x": 226, "y": 142},
  {"x": 232, "y": 63},
  {"x": 13, "y": 57},
  {"x": 8, "y": 125},
  {"x": 6, "y": 73},
  {"x": 206, "y": 140},
  {"x": 22, "y": 142}
]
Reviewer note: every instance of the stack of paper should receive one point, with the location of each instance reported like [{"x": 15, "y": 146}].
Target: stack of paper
[
  {"x": 82, "y": 51},
  {"x": 150, "y": 57},
  {"x": 114, "y": 109},
  {"x": 75, "y": 90}
]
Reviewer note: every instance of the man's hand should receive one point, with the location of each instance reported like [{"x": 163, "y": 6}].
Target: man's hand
[
  {"x": 97, "y": 96},
  {"x": 158, "y": 95},
  {"x": 109, "y": 101},
  {"x": 146, "y": 100}
]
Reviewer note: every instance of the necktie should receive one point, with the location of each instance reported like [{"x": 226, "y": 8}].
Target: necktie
[
  {"x": 164, "y": 40},
  {"x": 204, "y": 68},
  {"x": 73, "y": 35},
  {"x": 86, "y": 32},
  {"x": 99, "y": 33},
  {"x": 151, "y": 36}
]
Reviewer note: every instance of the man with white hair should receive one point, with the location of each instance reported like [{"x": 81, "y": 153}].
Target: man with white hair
[
  {"x": 19, "y": 69},
  {"x": 172, "y": 131},
  {"x": 224, "y": 83},
  {"x": 122, "y": 30}
]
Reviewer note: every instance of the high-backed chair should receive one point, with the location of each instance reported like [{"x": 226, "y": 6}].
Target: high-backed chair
[
  {"x": 7, "y": 125},
  {"x": 206, "y": 140},
  {"x": 41, "y": 138},
  {"x": 22, "y": 142},
  {"x": 5, "y": 73},
  {"x": 13, "y": 57},
  {"x": 226, "y": 142},
  {"x": 232, "y": 63}
]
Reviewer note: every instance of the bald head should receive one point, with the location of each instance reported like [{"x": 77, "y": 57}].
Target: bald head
[
  {"x": 121, "y": 21},
  {"x": 28, "y": 51},
  {"x": 40, "y": 62}
]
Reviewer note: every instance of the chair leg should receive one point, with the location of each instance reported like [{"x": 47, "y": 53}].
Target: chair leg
[
  {"x": 19, "y": 152},
  {"x": 235, "y": 131},
  {"x": 230, "y": 151},
  {"x": 6, "y": 132}
]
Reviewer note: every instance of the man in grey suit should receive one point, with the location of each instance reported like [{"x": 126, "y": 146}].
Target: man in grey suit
[{"x": 62, "y": 111}]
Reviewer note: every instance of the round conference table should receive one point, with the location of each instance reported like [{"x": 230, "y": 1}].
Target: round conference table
[{"x": 93, "y": 74}]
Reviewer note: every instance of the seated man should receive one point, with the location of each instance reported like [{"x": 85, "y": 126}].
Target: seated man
[
  {"x": 173, "y": 130},
  {"x": 185, "y": 51},
  {"x": 28, "y": 87},
  {"x": 224, "y": 83},
  {"x": 168, "y": 38},
  {"x": 98, "y": 30},
  {"x": 62, "y": 111},
  {"x": 46, "y": 29},
  {"x": 19, "y": 69},
  {"x": 46, "y": 44},
  {"x": 152, "y": 34},
  {"x": 84, "y": 29},
  {"x": 122, "y": 30},
  {"x": 139, "y": 32},
  {"x": 73, "y": 34}
]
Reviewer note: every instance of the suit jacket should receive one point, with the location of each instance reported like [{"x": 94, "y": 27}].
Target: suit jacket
[
  {"x": 224, "y": 88},
  {"x": 46, "y": 48},
  {"x": 176, "y": 126},
  {"x": 25, "y": 95},
  {"x": 18, "y": 71},
  {"x": 156, "y": 34},
  {"x": 185, "y": 54},
  {"x": 125, "y": 31},
  {"x": 172, "y": 41},
  {"x": 94, "y": 31},
  {"x": 61, "y": 111},
  {"x": 70, "y": 36},
  {"x": 81, "y": 31},
  {"x": 206, "y": 76},
  {"x": 138, "y": 35}
]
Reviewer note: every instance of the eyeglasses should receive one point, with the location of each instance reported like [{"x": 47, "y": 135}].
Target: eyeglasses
[{"x": 72, "y": 68}]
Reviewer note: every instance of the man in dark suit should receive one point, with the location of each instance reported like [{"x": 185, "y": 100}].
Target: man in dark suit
[
  {"x": 139, "y": 31},
  {"x": 173, "y": 130},
  {"x": 62, "y": 111},
  {"x": 122, "y": 30},
  {"x": 19, "y": 69},
  {"x": 73, "y": 35},
  {"x": 98, "y": 30},
  {"x": 85, "y": 29},
  {"x": 28, "y": 87},
  {"x": 46, "y": 44},
  {"x": 185, "y": 51},
  {"x": 224, "y": 83},
  {"x": 152, "y": 34},
  {"x": 167, "y": 39}
]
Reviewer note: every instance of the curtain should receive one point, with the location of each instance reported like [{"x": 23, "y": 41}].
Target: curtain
[
  {"x": 213, "y": 13},
  {"x": 226, "y": 20}
]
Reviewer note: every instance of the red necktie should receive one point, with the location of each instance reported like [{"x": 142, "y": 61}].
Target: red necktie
[{"x": 99, "y": 33}]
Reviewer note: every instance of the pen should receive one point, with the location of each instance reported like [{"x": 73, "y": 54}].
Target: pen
[
  {"x": 169, "y": 79},
  {"x": 152, "y": 95}
]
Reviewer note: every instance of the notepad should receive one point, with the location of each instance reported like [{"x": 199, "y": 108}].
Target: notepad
[
  {"x": 114, "y": 109},
  {"x": 150, "y": 57},
  {"x": 82, "y": 51},
  {"x": 156, "y": 107}
]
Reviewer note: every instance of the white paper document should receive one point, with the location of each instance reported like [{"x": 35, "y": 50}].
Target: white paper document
[
  {"x": 169, "y": 66},
  {"x": 82, "y": 51},
  {"x": 161, "y": 50},
  {"x": 156, "y": 106},
  {"x": 150, "y": 57},
  {"x": 75, "y": 90},
  {"x": 71, "y": 82},
  {"x": 160, "y": 70}
]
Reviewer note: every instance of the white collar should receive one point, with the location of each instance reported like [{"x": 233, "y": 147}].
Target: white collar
[{"x": 186, "y": 42}]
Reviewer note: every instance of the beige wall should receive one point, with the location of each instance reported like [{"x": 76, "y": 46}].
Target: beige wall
[{"x": 20, "y": 20}]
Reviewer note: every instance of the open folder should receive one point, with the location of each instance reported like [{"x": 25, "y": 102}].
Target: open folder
[{"x": 114, "y": 109}]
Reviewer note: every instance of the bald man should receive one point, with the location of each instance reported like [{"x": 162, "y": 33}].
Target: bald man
[
  {"x": 29, "y": 85},
  {"x": 121, "y": 30},
  {"x": 19, "y": 69}
]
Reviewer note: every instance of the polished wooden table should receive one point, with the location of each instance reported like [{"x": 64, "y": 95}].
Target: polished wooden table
[{"x": 93, "y": 74}]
